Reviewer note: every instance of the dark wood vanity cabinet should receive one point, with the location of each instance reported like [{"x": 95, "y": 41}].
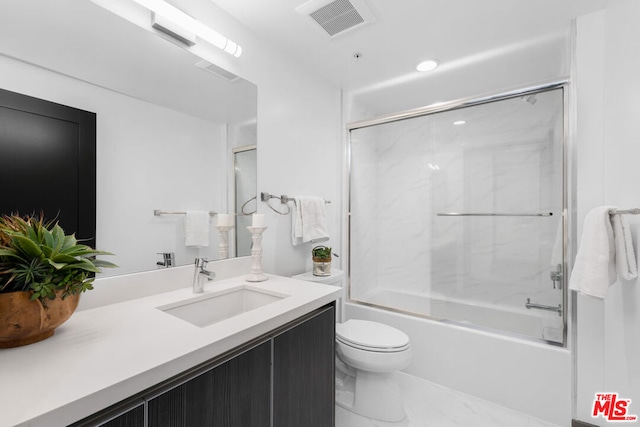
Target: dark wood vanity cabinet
[
  {"x": 303, "y": 391},
  {"x": 283, "y": 379},
  {"x": 236, "y": 393}
]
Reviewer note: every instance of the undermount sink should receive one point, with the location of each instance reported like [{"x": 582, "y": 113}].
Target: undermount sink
[{"x": 208, "y": 309}]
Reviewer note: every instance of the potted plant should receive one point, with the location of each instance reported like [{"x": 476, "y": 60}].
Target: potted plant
[
  {"x": 321, "y": 256},
  {"x": 42, "y": 273}
]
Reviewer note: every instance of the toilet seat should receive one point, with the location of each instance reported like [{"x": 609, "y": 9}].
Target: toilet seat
[{"x": 371, "y": 336}]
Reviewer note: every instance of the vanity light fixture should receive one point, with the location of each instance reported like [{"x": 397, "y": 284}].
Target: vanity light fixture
[
  {"x": 186, "y": 23},
  {"x": 169, "y": 27},
  {"x": 427, "y": 65}
]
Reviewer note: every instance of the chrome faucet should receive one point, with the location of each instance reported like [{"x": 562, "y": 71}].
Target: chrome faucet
[
  {"x": 200, "y": 273},
  {"x": 168, "y": 259}
]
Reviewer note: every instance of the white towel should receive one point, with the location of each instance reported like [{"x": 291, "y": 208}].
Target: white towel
[
  {"x": 196, "y": 227},
  {"x": 625, "y": 255},
  {"x": 595, "y": 267},
  {"x": 308, "y": 222}
]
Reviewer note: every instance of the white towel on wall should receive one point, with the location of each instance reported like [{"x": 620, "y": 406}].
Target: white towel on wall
[
  {"x": 308, "y": 222},
  {"x": 625, "y": 255},
  {"x": 603, "y": 255},
  {"x": 196, "y": 228}
]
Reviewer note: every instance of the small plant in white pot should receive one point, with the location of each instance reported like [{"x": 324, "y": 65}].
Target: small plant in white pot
[{"x": 321, "y": 256}]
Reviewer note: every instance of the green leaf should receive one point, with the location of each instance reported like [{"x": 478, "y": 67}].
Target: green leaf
[
  {"x": 28, "y": 246},
  {"x": 100, "y": 263}
]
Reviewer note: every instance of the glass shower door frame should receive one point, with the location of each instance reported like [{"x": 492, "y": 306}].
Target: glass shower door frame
[{"x": 568, "y": 204}]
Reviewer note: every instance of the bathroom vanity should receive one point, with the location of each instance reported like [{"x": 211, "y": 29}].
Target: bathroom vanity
[{"x": 119, "y": 364}]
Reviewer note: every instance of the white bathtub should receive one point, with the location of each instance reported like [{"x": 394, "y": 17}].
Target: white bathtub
[
  {"x": 527, "y": 376},
  {"x": 537, "y": 324}
]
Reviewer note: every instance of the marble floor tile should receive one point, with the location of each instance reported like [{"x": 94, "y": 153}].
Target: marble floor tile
[{"x": 432, "y": 405}]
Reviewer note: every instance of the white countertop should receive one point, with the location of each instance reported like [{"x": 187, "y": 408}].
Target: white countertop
[{"x": 105, "y": 354}]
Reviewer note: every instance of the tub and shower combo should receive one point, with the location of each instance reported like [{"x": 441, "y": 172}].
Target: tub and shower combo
[{"x": 458, "y": 237}]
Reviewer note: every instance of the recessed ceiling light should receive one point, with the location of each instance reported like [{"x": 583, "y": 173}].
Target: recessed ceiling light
[
  {"x": 459, "y": 122},
  {"x": 427, "y": 65}
]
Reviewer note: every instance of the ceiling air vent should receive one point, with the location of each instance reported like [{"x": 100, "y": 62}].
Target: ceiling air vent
[
  {"x": 214, "y": 69},
  {"x": 336, "y": 17}
]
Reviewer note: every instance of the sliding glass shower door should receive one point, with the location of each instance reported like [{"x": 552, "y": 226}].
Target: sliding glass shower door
[{"x": 458, "y": 215}]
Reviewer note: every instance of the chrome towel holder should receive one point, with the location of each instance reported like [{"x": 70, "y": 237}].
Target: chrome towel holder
[
  {"x": 158, "y": 212},
  {"x": 632, "y": 211},
  {"x": 284, "y": 199}
]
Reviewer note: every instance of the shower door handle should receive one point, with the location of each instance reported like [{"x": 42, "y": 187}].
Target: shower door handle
[{"x": 556, "y": 276}]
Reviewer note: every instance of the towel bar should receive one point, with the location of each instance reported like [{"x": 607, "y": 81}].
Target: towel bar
[
  {"x": 265, "y": 197},
  {"x": 158, "y": 212},
  {"x": 633, "y": 211},
  {"x": 494, "y": 214}
]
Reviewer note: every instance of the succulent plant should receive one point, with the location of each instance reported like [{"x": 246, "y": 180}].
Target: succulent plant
[
  {"x": 38, "y": 256},
  {"x": 321, "y": 253}
]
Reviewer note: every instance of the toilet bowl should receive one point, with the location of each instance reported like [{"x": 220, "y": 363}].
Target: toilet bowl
[{"x": 367, "y": 356}]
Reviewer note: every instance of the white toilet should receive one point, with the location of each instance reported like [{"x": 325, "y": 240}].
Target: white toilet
[{"x": 367, "y": 356}]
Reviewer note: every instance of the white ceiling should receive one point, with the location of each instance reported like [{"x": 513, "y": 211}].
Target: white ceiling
[
  {"x": 77, "y": 38},
  {"x": 406, "y": 32}
]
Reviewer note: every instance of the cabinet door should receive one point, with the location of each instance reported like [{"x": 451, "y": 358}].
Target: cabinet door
[
  {"x": 132, "y": 418},
  {"x": 233, "y": 394},
  {"x": 303, "y": 373},
  {"x": 241, "y": 392}
]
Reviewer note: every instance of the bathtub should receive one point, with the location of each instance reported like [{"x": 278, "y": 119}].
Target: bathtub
[
  {"x": 519, "y": 321},
  {"x": 523, "y": 375}
]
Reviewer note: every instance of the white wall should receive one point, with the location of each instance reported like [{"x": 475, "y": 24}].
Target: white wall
[
  {"x": 142, "y": 152},
  {"x": 512, "y": 67},
  {"x": 299, "y": 142},
  {"x": 608, "y": 349}
]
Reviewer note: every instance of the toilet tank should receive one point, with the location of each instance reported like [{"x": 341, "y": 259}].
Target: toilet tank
[{"x": 335, "y": 279}]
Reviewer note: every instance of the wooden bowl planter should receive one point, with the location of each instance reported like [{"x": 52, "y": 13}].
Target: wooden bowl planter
[
  {"x": 25, "y": 321},
  {"x": 43, "y": 271}
]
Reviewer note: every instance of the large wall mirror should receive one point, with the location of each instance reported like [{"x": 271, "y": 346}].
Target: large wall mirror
[{"x": 168, "y": 122}]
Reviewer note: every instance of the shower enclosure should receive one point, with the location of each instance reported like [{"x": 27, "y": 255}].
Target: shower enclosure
[{"x": 458, "y": 213}]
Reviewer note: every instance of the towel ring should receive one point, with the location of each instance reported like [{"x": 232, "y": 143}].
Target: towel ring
[
  {"x": 277, "y": 211},
  {"x": 245, "y": 205}
]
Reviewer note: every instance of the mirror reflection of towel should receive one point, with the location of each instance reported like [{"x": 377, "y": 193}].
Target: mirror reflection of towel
[
  {"x": 196, "y": 228},
  {"x": 308, "y": 222}
]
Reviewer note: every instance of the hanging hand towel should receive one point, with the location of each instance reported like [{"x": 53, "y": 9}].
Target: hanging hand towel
[
  {"x": 308, "y": 221},
  {"x": 625, "y": 255},
  {"x": 605, "y": 252},
  {"x": 196, "y": 225},
  {"x": 594, "y": 270}
]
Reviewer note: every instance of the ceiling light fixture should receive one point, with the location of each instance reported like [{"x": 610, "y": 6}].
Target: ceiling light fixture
[
  {"x": 186, "y": 22},
  {"x": 459, "y": 122},
  {"x": 427, "y": 65}
]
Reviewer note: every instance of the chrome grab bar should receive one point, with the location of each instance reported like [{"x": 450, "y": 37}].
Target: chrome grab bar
[
  {"x": 529, "y": 305},
  {"x": 494, "y": 214}
]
